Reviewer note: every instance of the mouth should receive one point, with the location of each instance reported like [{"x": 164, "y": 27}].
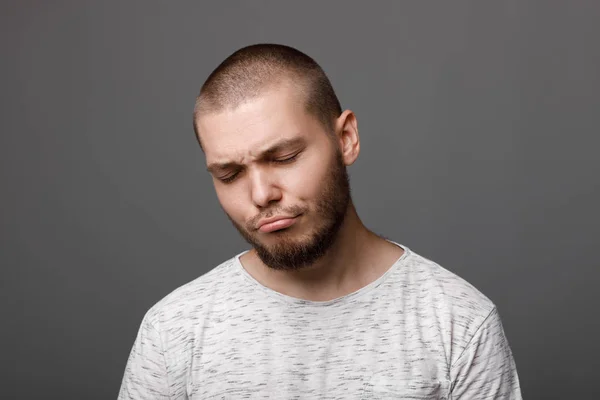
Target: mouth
[{"x": 278, "y": 225}]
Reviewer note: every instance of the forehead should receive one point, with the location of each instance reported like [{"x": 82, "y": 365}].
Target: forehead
[{"x": 243, "y": 132}]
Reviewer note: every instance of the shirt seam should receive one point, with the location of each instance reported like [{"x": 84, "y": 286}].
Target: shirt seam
[
  {"x": 164, "y": 352},
  {"x": 479, "y": 328}
]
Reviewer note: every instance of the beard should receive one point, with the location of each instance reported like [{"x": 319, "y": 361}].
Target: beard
[{"x": 291, "y": 253}]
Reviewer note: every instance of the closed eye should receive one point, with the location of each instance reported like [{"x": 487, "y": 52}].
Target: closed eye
[
  {"x": 286, "y": 160},
  {"x": 229, "y": 178}
]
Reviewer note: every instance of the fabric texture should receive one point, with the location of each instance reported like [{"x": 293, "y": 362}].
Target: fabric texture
[{"x": 417, "y": 332}]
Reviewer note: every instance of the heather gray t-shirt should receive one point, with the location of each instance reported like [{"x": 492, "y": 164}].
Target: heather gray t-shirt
[{"x": 417, "y": 332}]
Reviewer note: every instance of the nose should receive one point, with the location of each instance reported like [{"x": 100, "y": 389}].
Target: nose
[{"x": 264, "y": 188}]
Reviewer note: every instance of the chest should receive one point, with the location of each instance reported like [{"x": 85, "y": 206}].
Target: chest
[{"x": 358, "y": 354}]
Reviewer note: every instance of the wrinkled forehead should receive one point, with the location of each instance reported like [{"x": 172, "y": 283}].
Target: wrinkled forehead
[{"x": 253, "y": 125}]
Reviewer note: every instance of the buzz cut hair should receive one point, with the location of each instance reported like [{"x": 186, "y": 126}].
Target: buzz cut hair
[{"x": 252, "y": 70}]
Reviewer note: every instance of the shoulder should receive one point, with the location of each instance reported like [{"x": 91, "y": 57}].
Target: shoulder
[
  {"x": 459, "y": 307},
  {"x": 453, "y": 289},
  {"x": 195, "y": 297}
]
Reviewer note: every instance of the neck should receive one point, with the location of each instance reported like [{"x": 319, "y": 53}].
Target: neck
[{"x": 356, "y": 258}]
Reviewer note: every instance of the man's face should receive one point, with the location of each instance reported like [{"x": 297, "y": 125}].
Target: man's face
[{"x": 269, "y": 158}]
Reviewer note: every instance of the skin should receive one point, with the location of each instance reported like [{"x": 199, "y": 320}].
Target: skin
[{"x": 328, "y": 252}]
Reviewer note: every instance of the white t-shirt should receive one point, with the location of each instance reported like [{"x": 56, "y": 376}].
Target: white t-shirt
[{"x": 417, "y": 332}]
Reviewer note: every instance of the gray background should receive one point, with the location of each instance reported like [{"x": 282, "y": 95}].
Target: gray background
[{"x": 479, "y": 124}]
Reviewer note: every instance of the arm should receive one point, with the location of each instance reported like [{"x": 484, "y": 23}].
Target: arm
[
  {"x": 486, "y": 368},
  {"x": 146, "y": 372}
]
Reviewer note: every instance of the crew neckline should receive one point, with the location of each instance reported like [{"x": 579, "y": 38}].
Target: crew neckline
[{"x": 342, "y": 299}]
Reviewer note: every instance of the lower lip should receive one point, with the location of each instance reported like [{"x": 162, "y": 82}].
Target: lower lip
[{"x": 280, "y": 224}]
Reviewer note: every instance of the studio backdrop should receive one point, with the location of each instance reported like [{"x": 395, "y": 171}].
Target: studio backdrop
[{"x": 479, "y": 125}]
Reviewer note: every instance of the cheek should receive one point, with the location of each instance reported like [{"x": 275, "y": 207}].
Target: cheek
[
  {"x": 231, "y": 203},
  {"x": 305, "y": 183}
]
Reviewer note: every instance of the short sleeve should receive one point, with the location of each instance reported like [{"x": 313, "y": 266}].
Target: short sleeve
[
  {"x": 146, "y": 373},
  {"x": 486, "y": 369}
]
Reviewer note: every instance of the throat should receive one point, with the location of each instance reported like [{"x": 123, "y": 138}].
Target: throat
[{"x": 330, "y": 279}]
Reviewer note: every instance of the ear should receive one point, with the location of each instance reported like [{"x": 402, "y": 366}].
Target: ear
[{"x": 346, "y": 130}]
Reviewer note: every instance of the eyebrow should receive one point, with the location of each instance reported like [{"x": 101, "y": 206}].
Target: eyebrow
[{"x": 275, "y": 148}]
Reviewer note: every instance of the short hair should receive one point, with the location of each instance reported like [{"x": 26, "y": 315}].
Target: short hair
[{"x": 251, "y": 70}]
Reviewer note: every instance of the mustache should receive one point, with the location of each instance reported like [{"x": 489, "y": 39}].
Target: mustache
[{"x": 293, "y": 210}]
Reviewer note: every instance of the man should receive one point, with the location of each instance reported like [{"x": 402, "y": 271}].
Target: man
[{"x": 320, "y": 307}]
